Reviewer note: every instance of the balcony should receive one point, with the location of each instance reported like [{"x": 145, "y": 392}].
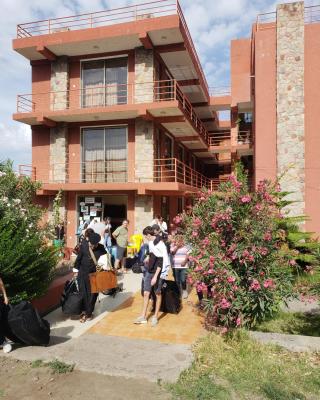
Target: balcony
[
  {"x": 167, "y": 174},
  {"x": 154, "y": 24},
  {"x": 164, "y": 100},
  {"x": 222, "y": 142}
]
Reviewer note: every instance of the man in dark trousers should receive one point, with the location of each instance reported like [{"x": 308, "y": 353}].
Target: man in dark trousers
[{"x": 85, "y": 264}]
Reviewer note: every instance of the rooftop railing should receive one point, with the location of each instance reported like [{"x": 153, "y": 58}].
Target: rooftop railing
[
  {"x": 111, "y": 95},
  {"x": 311, "y": 15},
  {"x": 220, "y": 91},
  {"x": 151, "y": 9}
]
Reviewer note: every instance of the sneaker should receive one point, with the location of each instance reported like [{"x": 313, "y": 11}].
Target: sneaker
[
  {"x": 154, "y": 321},
  {"x": 140, "y": 320},
  {"x": 184, "y": 294},
  {"x": 6, "y": 347}
]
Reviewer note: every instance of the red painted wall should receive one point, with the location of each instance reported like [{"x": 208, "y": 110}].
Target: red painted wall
[
  {"x": 312, "y": 132},
  {"x": 240, "y": 71},
  {"x": 265, "y": 105}
]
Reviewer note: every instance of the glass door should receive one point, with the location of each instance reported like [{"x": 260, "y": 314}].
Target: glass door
[
  {"x": 93, "y": 155},
  {"x": 116, "y": 154},
  {"x": 116, "y": 81},
  {"x": 93, "y": 84}
]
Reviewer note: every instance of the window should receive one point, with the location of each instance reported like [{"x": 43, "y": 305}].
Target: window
[
  {"x": 247, "y": 117},
  {"x": 104, "y": 82},
  {"x": 181, "y": 153},
  {"x": 104, "y": 154}
]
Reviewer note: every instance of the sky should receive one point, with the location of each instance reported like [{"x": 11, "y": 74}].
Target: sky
[{"x": 212, "y": 23}]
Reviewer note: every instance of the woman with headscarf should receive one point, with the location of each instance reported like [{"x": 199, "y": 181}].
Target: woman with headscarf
[{"x": 85, "y": 265}]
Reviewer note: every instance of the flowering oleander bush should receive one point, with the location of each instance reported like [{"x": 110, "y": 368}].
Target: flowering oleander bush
[
  {"x": 26, "y": 261},
  {"x": 241, "y": 261}
]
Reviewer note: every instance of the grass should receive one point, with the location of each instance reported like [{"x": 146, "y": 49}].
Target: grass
[
  {"x": 238, "y": 368},
  {"x": 57, "y": 367},
  {"x": 297, "y": 323},
  {"x": 308, "y": 284}
]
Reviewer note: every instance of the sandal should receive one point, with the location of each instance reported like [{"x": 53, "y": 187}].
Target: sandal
[{"x": 83, "y": 319}]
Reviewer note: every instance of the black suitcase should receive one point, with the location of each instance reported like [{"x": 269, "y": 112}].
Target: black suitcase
[
  {"x": 26, "y": 324},
  {"x": 171, "y": 299},
  {"x": 71, "y": 300}
]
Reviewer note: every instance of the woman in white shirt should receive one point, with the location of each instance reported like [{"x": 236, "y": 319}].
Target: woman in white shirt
[
  {"x": 156, "y": 271},
  {"x": 158, "y": 220}
]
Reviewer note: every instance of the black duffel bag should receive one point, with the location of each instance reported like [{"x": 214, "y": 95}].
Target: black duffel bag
[
  {"x": 26, "y": 324},
  {"x": 171, "y": 299},
  {"x": 71, "y": 300}
]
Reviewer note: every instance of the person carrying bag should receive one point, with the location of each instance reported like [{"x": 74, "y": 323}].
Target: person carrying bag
[{"x": 104, "y": 278}]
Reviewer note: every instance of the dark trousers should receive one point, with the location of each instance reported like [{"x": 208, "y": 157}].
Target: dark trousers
[
  {"x": 89, "y": 299},
  {"x": 3, "y": 321},
  {"x": 180, "y": 277}
]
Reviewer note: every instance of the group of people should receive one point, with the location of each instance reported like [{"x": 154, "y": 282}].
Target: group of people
[{"x": 164, "y": 251}]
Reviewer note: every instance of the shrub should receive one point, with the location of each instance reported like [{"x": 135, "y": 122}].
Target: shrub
[
  {"x": 239, "y": 253},
  {"x": 26, "y": 261}
]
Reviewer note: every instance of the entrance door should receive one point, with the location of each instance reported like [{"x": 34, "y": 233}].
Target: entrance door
[{"x": 165, "y": 209}]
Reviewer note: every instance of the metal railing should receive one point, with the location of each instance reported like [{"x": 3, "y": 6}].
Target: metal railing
[
  {"x": 113, "y": 16},
  {"x": 27, "y": 170},
  {"x": 224, "y": 139},
  {"x": 101, "y": 171},
  {"x": 110, "y": 95},
  {"x": 151, "y": 9},
  {"x": 311, "y": 15},
  {"x": 220, "y": 91}
]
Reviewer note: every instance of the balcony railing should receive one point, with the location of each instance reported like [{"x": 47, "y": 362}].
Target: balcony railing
[
  {"x": 244, "y": 137},
  {"x": 110, "y": 95},
  {"x": 151, "y": 9},
  {"x": 163, "y": 170},
  {"x": 220, "y": 91}
]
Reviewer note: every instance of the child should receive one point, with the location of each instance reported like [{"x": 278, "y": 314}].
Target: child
[{"x": 4, "y": 301}]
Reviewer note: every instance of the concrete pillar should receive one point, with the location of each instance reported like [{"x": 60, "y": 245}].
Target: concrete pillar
[
  {"x": 58, "y": 153},
  {"x": 144, "y": 151},
  {"x": 59, "y": 84},
  {"x": 144, "y": 75},
  {"x": 290, "y": 103},
  {"x": 143, "y": 212}
]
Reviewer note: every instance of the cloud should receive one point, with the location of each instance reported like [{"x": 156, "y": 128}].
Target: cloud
[{"x": 15, "y": 143}]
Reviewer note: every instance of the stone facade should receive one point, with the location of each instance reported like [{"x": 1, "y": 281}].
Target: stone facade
[
  {"x": 290, "y": 103},
  {"x": 144, "y": 150},
  {"x": 144, "y": 75},
  {"x": 59, "y": 84},
  {"x": 58, "y": 153},
  {"x": 143, "y": 212}
]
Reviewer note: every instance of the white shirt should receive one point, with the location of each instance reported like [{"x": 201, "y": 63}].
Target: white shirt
[
  {"x": 160, "y": 250},
  {"x": 163, "y": 225}
]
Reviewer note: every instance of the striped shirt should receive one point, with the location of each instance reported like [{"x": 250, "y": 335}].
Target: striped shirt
[{"x": 179, "y": 256}]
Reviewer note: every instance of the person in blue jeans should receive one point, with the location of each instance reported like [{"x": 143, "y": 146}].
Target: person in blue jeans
[{"x": 4, "y": 301}]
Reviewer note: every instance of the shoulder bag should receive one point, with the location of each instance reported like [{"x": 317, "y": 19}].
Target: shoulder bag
[{"x": 101, "y": 281}]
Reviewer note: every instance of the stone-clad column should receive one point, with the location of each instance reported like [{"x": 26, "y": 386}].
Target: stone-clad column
[
  {"x": 143, "y": 212},
  {"x": 144, "y": 75},
  {"x": 290, "y": 103},
  {"x": 59, "y": 84},
  {"x": 58, "y": 153},
  {"x": 144, "y": 150}
]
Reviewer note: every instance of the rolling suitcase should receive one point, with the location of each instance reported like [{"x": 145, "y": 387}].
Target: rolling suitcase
[
  {"x": 26, "y": 324},
  {"x": 171, "y": 299}
]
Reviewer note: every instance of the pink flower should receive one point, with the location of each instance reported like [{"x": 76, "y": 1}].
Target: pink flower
[
  {"x": 177, "y": 220},
  {"x": 224, "y": 304},
  {"x": 206, "y": 241},
  {"x": 268, "y": 283},
  {"x": 258, "y": 207},
  {"x": 255, "y": 285},
  {"x": 196, "y": 222},
  {"x": 198, "y": 268},
  {"x": 238, "y": 321},
  {"x": 216, "y": 280},
  {"x": 231, "y": 279},
  {"x": 267, "y": 236},
  {"x": 245, "y": 199},
  {"x": 224, "y": 330},
  {"x": 292, "y": 262},
  {"x": 194, "y": 233}
]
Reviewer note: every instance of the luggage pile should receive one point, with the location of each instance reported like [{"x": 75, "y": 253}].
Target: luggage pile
[{"x": 26, "y": 326}]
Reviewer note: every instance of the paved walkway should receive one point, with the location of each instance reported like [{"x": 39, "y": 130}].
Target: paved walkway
[
  {"x": 111, "y": 344},
  {"x": 296, "y": 343}
]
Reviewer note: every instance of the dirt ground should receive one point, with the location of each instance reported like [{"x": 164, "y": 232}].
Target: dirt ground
[{"x": 20, "y": 381}]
